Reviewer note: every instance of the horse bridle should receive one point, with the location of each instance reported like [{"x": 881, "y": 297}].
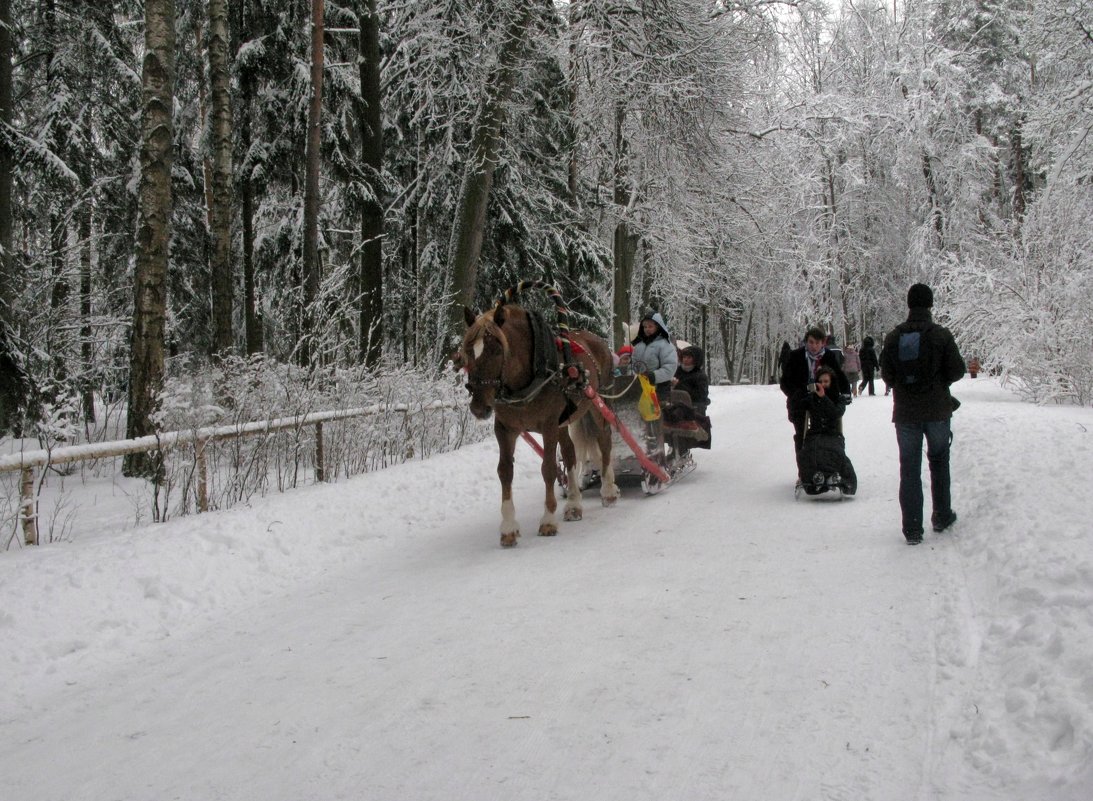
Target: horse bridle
[
  {"x": 504, "y": 395},
  {"x": 474, "y": 382}
]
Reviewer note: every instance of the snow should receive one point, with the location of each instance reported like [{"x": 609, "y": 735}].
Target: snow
[{"x": 371, "y": 640}]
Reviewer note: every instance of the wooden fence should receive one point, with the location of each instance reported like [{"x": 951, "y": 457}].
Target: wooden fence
[{"x": 27, "y": 462}]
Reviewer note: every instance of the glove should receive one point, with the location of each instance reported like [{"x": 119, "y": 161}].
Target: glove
[{"x": 650, "y": 376}]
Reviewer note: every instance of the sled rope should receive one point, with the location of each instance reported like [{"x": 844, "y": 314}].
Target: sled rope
[{"x": 618, "y": 395}]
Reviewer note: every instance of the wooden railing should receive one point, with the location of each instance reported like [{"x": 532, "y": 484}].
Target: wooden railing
[{"x": 27, "y": 462}]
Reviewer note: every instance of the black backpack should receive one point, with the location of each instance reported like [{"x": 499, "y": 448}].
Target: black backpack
[{"x": 915, "y": 368}]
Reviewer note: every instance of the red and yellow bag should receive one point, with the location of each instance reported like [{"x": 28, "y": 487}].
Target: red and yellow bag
[{"x": 648, "y": 403}]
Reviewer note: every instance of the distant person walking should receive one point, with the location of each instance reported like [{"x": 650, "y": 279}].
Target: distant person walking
[
  {"x": 783, "y": 358},
  {"x": 919, "y": 361},
  {"x": 852, "y": 367},
  {"x": 869, "y": 364}
]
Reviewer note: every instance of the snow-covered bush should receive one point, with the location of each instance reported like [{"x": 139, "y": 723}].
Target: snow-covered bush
[
  {"x": 399, "y": 426},
  {"x": 1026, "y": 310}
]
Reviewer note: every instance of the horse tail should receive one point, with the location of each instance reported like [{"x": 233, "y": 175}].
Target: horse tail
[
  {"x": 584, "y": 433},
  {"x": 559, "y": 304}
]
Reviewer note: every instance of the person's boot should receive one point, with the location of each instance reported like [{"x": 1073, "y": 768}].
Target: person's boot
[{"x": 943, "y": 521}]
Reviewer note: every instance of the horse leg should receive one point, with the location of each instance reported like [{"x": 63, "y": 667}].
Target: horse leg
[
  {"x": 506, "y": 441},
  {"x": 609, "y": 490},
  {"x": 548, "y": 524},
  {"x": 573, "y": 472}
]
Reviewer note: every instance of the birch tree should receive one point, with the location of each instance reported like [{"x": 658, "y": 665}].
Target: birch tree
[{"x": 146, "y": 362}]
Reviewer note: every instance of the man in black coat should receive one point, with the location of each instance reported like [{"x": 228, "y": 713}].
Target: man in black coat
[
  {"x": 800, "y": 372},
  {"x": 922, "y": 408}
]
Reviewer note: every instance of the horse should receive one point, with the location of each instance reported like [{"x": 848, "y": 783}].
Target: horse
[{"x": 497, "y": 355}]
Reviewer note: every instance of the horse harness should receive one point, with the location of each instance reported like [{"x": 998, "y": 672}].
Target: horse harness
[{"x": 547, "y": 368}]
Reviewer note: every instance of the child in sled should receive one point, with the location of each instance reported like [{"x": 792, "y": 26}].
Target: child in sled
[
  {"x": 822, "y": 463},
  {"x": 686, "y": 416}
]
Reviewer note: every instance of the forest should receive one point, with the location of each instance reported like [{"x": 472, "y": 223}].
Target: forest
[{"x": 201, "y": 193}]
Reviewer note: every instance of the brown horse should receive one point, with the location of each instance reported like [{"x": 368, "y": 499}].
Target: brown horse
[{"x": 497, "y": 355}]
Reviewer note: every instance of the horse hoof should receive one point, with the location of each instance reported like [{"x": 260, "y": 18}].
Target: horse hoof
[
  {"x": 574, "y": 514},
  {"x": 509, "y": 540},
  {"x": 609, "y": 500},
  {"x": 548, "y": 530}
]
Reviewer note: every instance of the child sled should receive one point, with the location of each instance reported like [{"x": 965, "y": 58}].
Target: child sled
[{"x": 823, "y": 468}]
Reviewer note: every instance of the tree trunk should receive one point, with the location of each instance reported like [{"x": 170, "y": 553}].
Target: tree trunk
[
  {"x": 625, "y": 252},
  {"x": 7, "y": 263},
  {"x": 935, "y": 202},
  {"x": 251, "y": 319},
  {"x": 573, "y": 164},
  {"x": 146, "y": 359},
  {"x": 626, "y": 244},
  {"x": 1019, "y": 177},
  {"x": 246, "y": 20},
  {"x": 220, "y": 191},
  {"x": 311, "y": 265},
  {"x": 87, "y": 366},
  {"x": 13, "y": 387},
  {"x": 727, "y": 328},
  {"x": 371, "y": 125},
  {"x": 57, "y": 340},
  {"x": 744, "y": 348},
  {"x": 474, "y": 194}
]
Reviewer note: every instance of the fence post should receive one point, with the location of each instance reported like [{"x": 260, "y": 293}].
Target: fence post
[
  {"x": 202, "y": 476},
  {"x": 320, "y": 469},
  {"x": 26, "y": 505}
]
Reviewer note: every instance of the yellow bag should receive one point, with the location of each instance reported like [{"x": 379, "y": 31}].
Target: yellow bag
[{"x": 648, "y": 403}]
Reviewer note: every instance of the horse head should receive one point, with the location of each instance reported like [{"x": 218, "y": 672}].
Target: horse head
[{"x": 483, "y": 354}]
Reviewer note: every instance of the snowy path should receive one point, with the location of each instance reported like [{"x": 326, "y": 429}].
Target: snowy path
[{"x": 719, "y": 641}]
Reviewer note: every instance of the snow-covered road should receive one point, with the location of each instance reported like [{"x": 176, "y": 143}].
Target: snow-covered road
[{"x": 370, "y": 640}]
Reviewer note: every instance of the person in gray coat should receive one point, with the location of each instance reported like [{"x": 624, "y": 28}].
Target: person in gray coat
[{"x": 655, "y": 353}]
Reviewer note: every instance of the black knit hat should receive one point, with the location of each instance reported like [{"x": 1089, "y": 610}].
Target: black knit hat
[{"x": 920, "y": 296}]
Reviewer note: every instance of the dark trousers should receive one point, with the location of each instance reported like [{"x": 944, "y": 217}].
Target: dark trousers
[
  {"x": 909, "y": 438},
  {"x": 867, "y": 380}
]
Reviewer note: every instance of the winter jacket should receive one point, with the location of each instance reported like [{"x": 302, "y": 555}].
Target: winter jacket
[
  {"x": 868, "y": 357},
  {"x": 656, "y": 353},
  {"x": 933, "y": 403},
  {"x": 796, "y": 378},
  {"x": 825, "y": 413},
  {"x": 695, "y": 382}
]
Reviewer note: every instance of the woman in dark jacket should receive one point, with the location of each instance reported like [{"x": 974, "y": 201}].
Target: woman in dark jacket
[
  {"x": 869, "y": 365},
  {"x": 826, "y": 405},
  {"x": 823, "y": 453}
]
